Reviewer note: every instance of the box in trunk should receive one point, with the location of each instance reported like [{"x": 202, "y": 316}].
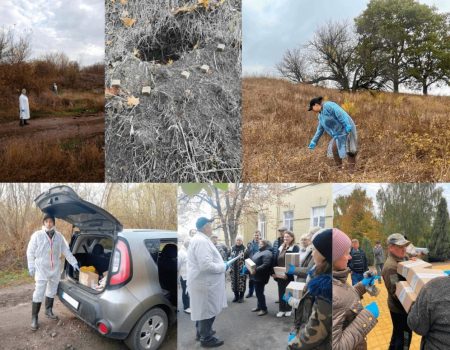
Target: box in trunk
[{"x": 89, "y": 279}]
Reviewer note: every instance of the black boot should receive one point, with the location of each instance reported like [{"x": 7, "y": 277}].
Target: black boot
[
  {"x": 48, "y": 308},
  {"x": 21, "y": 122},
  {"x": 35, "y": 307},
  {"x": 25, "y": 122},
  {"x": 241, "y": 297},
  {"x": 236, "y": 297}
]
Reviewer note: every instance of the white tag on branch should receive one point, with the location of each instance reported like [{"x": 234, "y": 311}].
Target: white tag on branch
[
  {"x": 115, "y": 82},
  {"x": 220, "y": 47},
  {"x": 185, "y": 74},
  {"x": 204, "y": 68},
  {"x": 146, "y": 90}
]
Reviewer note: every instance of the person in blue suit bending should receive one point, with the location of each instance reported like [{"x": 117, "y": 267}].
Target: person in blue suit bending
[{"x": 340, "y": 126}]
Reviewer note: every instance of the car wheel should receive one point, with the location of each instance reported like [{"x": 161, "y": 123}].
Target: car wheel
[{"x": 150, "y": 331}]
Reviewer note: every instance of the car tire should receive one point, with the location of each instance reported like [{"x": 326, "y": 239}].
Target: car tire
[{"x": 149, "y": 332}]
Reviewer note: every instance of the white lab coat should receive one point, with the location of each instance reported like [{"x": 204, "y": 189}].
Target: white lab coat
[
  {"x": 182, "y": 262},
  {"x": 205, "y": 278},
  {"x": 43, "y": 254},
  {"x": 24, "y": 107}
]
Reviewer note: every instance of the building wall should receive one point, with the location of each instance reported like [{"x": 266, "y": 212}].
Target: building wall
[{"x": 300, "y": 200}]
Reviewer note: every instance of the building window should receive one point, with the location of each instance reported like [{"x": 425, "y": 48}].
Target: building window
[
  {"x": 318, "y": 217},
  {"x": 288, "y": 220},
  {"x": 262, "y": 225}
]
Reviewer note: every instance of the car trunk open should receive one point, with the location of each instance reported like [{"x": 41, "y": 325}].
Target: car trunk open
[{"x": 93, "y": 243}]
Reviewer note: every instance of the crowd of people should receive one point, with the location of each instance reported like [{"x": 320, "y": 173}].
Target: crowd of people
[
  {"x": 352, "y": 322},
  {"x": 204, "y": 262}
]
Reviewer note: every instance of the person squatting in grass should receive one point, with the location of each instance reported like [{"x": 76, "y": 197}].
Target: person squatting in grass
[
  {"x": 340, "y": 126},
  {"x": 312, "y": 327},
  {"x": 351, "y": 321},
  {"x": 43, "y": 256}
]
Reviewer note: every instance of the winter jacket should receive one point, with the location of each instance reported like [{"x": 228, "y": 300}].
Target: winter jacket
[
  {"x": 263, "y": 261},
  {"x": 333, "y": 120},
  {"x": 358, "y": 262},
  {"x": 351, "y": 322},
  {"x": 390, "y": 278},
  {"x": 378, "y": 254},
  {"x": 305, "y": 265},
  {"x": 275, "y": 246},
  {"x": 314, "y": 316},
  {"x": 252, "y": 247},
  {"x": 429, "y": 316}
]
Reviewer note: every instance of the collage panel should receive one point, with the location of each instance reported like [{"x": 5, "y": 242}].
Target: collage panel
[
  {"x": 173, "y": 91},
  {"x": 391, "y": 266},
  {"x": 88, "y": 266},
  {"x": 345, "y": 91},
  {"x": 52, "y": 91},
  {"x": 255, "y": 266}
]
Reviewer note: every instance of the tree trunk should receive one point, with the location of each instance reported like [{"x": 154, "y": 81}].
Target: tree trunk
[{"x": 425, "y": 87}]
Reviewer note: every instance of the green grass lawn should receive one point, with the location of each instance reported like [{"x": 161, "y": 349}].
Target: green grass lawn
[{"x": 13, "y": 278}]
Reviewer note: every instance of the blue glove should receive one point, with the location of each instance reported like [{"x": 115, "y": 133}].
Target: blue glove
[
  {"x": 373, "y": 309},
  {"x": 447, "y": 272},
  {"x": 75, "y": 267},
  {"x": 31, "y": 272},
  {"x": 226, "y": 266},
  {"x": 291, "y": 270},
  {"x": 369, "y": 281},
  {"x": 348, "y": 128},
  {"x": 312, "y": 145},
  {"x": 244, "y": 270},
  {"x": 291, "y": 336},
  {"x": 286, "y": 297}
]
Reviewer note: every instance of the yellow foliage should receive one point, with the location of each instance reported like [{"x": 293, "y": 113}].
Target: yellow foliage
[{"x": 128, "y": 22}]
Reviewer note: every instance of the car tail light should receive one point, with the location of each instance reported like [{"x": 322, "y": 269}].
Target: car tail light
[
  {"x": 121, "y": 264},
  {"x": 102, "y": 328}
]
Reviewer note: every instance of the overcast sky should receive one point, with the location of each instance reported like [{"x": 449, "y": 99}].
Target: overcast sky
[
  {"x": 372, "y": 189},
  {"x": 75, "y": 27},
  {"x": 270, "y": 27}
]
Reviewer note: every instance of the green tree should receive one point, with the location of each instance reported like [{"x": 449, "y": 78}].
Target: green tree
[
  {"x": 367, "y": 246},
  {"x": 439, "y": 244},
  {"x": 408, "y": 209},
  {"x": 391, "y": 28}
]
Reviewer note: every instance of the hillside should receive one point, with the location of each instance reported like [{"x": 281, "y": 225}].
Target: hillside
[{"x": 402, "y": 137}]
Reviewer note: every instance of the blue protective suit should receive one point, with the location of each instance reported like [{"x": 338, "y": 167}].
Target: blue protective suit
[{"x": 334, "y": 121}]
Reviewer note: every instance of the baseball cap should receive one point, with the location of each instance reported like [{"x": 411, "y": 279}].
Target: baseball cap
[
  {"x": 202, "y": 222},
  {"x": 282, "y": 228},
  {"x": 398, "y": 239}
]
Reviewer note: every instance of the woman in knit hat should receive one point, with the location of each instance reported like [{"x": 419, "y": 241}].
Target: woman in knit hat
[
  {"x": 312, "y": 328},
  {"x": 351, "y": 321}
]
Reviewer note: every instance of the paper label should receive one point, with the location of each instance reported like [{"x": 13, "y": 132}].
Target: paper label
[
  {"x": 408, "y": 265},
  {"x": 402, "y": 295},
  {"x": 418, "y": 276}
]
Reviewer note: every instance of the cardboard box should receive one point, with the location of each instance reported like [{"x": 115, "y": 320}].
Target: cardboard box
[
  {"x": 89, "y": 279},
  {"x": 251, "y": 266},
  {"x": 296, "y": 289},
  {"x": 279, "y": 271},
  {"x": 404, "y": 267},
  {"x": 292, "y": 258},
  {"x": 405, "y": 294},
  {"x": 417, "y": 278}
]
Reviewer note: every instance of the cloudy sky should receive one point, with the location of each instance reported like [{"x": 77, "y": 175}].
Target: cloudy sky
[
  {"x": 73, "y": 27},
  {"x": 270, "y": 27},
  {"x": 372, "y": 189}
]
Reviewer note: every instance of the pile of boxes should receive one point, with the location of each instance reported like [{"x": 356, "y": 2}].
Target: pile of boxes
[{"x": 417, "y": 274}]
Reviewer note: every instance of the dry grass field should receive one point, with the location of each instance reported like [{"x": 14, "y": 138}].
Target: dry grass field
[{"x": 402, "y": 137}]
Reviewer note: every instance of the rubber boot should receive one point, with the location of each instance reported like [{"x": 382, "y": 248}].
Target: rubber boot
[
  {"x": 351, "y": 162},
  {"x": 21, "y": 122},
  {"x": 241, "y": 297},
  {"x": 35, "y": 307},
  {"x": 236, "y": 297},
  {"x": 337, "y": 159},
  {"x": 25, "y": 122},
  {"x": 48, "y": 308}
]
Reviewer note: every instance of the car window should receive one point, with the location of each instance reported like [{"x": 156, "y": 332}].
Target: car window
[{"x": 152, "y": 246}]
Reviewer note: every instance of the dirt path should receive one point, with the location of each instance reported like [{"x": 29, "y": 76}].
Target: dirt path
[
  {"x": 85, "y": 126},
  {"x": 67, "y": 333}
]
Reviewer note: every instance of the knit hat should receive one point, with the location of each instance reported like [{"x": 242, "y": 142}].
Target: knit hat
[
  {"x": 322, "y": 242},
  {"x": 48, "y": 216},
  {"x": 341, "y": 244}
]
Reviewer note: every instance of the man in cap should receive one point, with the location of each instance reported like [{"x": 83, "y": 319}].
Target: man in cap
[
  {"x": 205, "y": 283},
  {"x": 43, "y": 255},
  {"x": 278, "y": 242},
  {"x": 222, "y": 248},
  {"x": 252, "y": 248},
  {"x": 401, "y": 333},
  {"x": 336, "y": 122}
]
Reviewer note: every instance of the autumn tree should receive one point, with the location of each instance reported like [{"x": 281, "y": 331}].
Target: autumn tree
[{"x": 354, "y": 214}]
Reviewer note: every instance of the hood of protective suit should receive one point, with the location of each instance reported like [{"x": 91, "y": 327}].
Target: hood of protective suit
[{"x": 63, "y": 203}]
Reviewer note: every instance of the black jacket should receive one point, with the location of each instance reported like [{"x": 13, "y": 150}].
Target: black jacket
[
  {"x": 263, "y": 261},
  {"x": 358, "y": 262}
]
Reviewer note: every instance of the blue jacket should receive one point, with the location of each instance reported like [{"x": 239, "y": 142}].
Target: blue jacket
[{"x": 333, "y": 120}]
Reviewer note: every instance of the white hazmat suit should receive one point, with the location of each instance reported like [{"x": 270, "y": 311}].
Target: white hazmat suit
[
  {"x": 43, "y": 256},
  {"x": 24, "y": 107},
  {"x": 205, "y": 278}
]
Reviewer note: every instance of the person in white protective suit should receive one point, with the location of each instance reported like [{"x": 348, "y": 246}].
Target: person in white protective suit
[
  {"x": 205, "y": 283},
  {"x": 24, "y": 108},
  {"x": 44, "y": 263}
]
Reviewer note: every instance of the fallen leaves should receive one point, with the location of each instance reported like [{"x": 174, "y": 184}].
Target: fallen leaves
[
  {"x": 111, "y": 92},
  {"x": 132, "y": 101},
  {"x": 128, "y": 22}
]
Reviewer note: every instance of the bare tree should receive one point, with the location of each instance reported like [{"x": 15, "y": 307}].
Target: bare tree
[{"x": 293, "y": 66}]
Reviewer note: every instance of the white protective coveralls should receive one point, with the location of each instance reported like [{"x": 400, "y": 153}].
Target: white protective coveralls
[
  {"x": 205, "y": 278},
  {"x": 24, "y": 107},
  {"x": 43, "y": 255}
]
